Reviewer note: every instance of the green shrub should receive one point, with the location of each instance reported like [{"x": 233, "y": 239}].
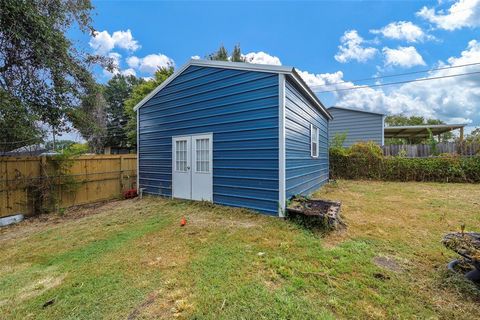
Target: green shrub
[{"x": 365, "y": 161}]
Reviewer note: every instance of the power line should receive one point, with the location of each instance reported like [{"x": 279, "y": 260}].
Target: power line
[
  {"x": 396, "y": 75},
  {"x": 20, "y": 141},
  {"x": 400, "y": 82}
]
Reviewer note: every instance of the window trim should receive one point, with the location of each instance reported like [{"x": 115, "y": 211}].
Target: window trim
[
  {"x": 186, "y": 156},
  {"x": 209, "y": 162},
  {"x": 315, "y": 139}
]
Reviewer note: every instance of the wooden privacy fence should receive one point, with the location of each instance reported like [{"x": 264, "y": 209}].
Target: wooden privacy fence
[
  {"x": 426, "y": 150},
  {"x": 91, "y": 179}
]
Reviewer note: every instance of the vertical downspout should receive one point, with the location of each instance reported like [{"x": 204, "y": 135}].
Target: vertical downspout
[
  {"x": 383, "y": 130},
  {"x": 138, "y": 153}
]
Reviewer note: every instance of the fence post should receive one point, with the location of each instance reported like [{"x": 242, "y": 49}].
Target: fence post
[
  {"x": 43, "y": 175},
  {"x": 121, "y": 174},
  {"x": 7, "y": 186}
]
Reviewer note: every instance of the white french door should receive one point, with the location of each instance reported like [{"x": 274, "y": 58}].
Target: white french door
[{"x": 192, "y": 170}]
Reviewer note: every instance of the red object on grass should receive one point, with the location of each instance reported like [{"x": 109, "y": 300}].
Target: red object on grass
[
  {"x": 183, "y": 222},
  {"x": 130, "y": 193}
]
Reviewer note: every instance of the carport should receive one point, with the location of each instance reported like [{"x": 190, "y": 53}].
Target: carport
[{"x": 422, "y": 131}]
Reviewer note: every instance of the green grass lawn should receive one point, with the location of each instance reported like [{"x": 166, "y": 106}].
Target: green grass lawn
[{"x": 132, "y": 260}]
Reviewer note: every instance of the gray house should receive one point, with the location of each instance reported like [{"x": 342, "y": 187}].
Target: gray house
[{"x": 359, "y": 125}]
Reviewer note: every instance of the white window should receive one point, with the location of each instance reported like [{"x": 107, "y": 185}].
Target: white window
[
  {"x": 313, "y": 141},
  {"x": 181, "y": 155},
  {"x": 202, "y": 148}
]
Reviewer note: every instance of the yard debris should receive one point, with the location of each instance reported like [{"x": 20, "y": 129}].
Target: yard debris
[
  {"x": 261, "y": 254},
  {"x": 467, "y": 245},
  {"x": 327, "y": 213},
  {"x": 48, "y": 303},
  {"x": 223, "y": 304},
  {"x": 381, "y": 276},
  {"x": 130, "y": 194},
  {"x": 183, "y": 222}
]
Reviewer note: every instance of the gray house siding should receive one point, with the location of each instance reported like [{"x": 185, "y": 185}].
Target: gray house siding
[
  {"x": 359, "y": 126},
  {"x": 241, "y": 109},
  {"x": 303, "y": 174}
]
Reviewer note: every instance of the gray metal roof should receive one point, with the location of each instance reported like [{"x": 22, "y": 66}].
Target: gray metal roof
[
  {"x": 289, "y": 71},
  {"x": 421, "y": 131},
  {"x": 356, "y": 110}
]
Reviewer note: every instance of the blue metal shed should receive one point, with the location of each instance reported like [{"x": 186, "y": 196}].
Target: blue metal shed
[{"x": 237, "y": 134}]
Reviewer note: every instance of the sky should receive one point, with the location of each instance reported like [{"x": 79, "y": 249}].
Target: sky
[{"x": 330, "y": 43}]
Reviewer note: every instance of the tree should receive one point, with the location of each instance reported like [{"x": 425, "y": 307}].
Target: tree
[
  {"x": 237, "y": 54},
  {"x": 222, "y": 54},
  {"x": 474, "y": 136},
  {"x": 139, "y": 92},
  {"x": 40, "y": 69},
  {"x": 18, "y": 127},
  {"x": 91, "y": 118},
  {"x": 116, "y": 92}
]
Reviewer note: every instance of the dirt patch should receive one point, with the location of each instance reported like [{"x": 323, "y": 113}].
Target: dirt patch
[
  {"x": 174, "y": 303},
  {"x": 136, "y": 312},
  {"x": 37, "y": 223},
  {"x": 387, "y": 263},
  {"x": 214, "y": 221},
  {"x": 37, "y": 288}
]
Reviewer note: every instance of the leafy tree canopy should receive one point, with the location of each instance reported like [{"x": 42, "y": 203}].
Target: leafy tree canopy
[
  {"x": 401, "y": 120},
  {"x": 139, "y": 92},
  {"x": 222, "y": 54},
  {"x": 117, "y": 91},
  {"x": 40, "y": 69},
  {"x": 474, "y": 136},
  {"x": 90, "y": 118},
  {"x": 18, "y": 127}
]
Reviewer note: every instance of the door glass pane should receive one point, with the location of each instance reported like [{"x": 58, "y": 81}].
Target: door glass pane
[
  {"x": 202, "y": 156},
  {"x": 181, "y": 155},
  {"x": 314, "y": 141}
]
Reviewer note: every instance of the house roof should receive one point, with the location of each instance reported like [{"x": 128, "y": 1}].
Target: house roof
[
  {"x": 288, "y": 71},
  {"x": 421, "y": 131},
  {"x": 356, "y": 110}
]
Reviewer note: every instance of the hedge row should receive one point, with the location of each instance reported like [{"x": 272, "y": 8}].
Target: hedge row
[{"x": 354, "y": 165}]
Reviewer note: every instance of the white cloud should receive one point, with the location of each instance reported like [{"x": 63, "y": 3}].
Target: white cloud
[
  {"x": 324, "y": 81},
  {"x": 402, "y": 56},
  {"x": 195, "y": 57},
  {"x": 403, "y": 30},
  {"x": 129, "y": 72},
  {"x": 150, "y": 63},
  {"x": 133, "y": 61},
  {"x": 449, "y": 99},
  {"x": 115, "y": 57},
  {"x": 102, "y": 42},
  {"x": 261, "y": 58},
  {"x": 351, "y": 48},
  {"x": 463, "y": 13}
]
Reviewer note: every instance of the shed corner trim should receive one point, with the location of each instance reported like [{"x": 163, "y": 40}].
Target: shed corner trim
[{"x": 281, "y": 147}]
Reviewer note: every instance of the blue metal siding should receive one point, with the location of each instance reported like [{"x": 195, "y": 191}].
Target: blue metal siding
[
  {"x": 359, "y": 126},
  {"x": 304, "y": 174},
  {"x": 240, "y": 108}
]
